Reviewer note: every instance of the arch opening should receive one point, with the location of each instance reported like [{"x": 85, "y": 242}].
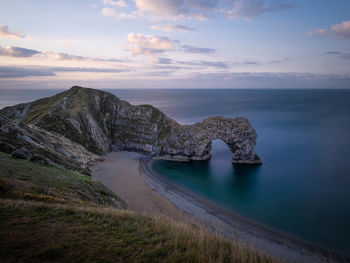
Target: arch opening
[{"x": 220, "y": 150}]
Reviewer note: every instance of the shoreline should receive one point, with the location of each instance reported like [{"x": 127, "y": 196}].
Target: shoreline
[
  {"x": 119, "y": 171},
  {"x": 220, "y": 220},
  {"x": 131, "y": 177}
]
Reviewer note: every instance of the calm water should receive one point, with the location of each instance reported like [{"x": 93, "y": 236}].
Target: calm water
[{"x": 303, "y": 187}]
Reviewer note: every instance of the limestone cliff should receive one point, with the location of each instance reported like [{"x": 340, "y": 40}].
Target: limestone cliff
[
  {"x": 43, "y": 146},
  {"x": 101, "y": 122}
]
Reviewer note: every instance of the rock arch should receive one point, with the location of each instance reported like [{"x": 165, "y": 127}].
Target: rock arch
[
  {"x": 196, "y": 140},
  {"x": 101, "y": 122}
]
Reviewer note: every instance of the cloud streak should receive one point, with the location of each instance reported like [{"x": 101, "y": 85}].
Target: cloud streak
[
  {"x": 24, "y": 72},
  {"x": 338, "y": 54},
  {"x": 197, "y": 50},
  {"x": 172, "y": 28},
  {"x": 5, "y": 32},
  {"x": 246, "y": 9},
  {"x": 317, "y": 32},
  {"x": 200, "y": 63},
  {"x": 18, "y": 52}
]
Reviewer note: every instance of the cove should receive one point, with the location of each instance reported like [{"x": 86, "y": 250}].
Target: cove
[{"x": 248, "y": 192}]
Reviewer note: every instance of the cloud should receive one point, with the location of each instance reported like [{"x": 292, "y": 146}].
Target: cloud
[
  {"x": 197, "y": 50},
  {"x": 171, "y": 28},
  {"x": 108, "y": 11},
  {"x": 196, "y": 9},
  {"x": 319, "y": 32},
  {"x": 149, "y": 44},
  {"x": 80, "y": 69},
  {"x": 166, "y": 9},
  {"x": 341, "y": 30},
  {"x": 165, "y": 61},
  {"x": 250, "y": 63},
  {"x": 219, "y": 64},
  {"x": 21, "y": 52},
  {"x": 278, "y": 61},
  {"x": 338, "y": 54},
  {"x": 18, "y": 52},
  {"x": 333, "y": 53},
  {"x": 66, "y": 56},
  {"x": 246, "y": 9},
  {"x": 111, "y": 8},
  {"x": 23, "y": 72},
  {"x": 212, "y": 64},
  {"x": 120, "y": 3},
  {"x": 202, "y": 9},
  {"x": 66, "y": 44},
  {"x": 6, "y": 33},
  {"x": 127, "y": 16},
  {"x": 201, "y": 63}
]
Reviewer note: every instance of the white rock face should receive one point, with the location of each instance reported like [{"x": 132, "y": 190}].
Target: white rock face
[
  {"x": 44, "y": 146},
  {"x": 101, "y": 122}
]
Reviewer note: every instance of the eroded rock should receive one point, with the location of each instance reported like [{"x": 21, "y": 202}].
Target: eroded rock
[{"x": 101, "y": 122}]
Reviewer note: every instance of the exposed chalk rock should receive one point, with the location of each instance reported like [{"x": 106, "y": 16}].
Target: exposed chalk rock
[{"x": 101, "y": 122}]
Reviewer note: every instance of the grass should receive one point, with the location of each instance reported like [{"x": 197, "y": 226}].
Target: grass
[
  {"x": 40, "y": 232},
  {"x": 22, "y": 179},
  {"x": 48, "y": 214}
]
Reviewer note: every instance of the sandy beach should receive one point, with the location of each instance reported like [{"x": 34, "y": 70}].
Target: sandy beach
[
  {"x": 119, "y": 171},
  {"x": 131, "y": 177}
]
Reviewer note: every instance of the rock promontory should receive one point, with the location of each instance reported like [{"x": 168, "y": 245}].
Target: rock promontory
[{"x": 99, "y": 122}]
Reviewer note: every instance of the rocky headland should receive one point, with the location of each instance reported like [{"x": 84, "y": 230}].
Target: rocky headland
[{"x": 74, "y": 127}]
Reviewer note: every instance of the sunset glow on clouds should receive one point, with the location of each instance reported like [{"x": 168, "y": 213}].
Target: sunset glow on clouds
[{"x": 192, "y": 43}]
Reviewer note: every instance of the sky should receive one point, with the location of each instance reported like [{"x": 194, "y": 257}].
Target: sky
[{"x": 174, "y": 44}]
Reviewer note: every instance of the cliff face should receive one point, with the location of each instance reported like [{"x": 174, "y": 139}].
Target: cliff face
[
  {"x": 101, "y": 122},
  {"x": 43, "y": 146}
]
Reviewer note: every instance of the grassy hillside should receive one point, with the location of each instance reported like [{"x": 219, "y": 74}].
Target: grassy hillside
[
  {"x": 22, "y": 179},
  {"x": 49, "y": 214}
]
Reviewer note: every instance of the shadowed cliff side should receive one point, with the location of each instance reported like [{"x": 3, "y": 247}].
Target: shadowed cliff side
[{"x": 101, "y": 122}]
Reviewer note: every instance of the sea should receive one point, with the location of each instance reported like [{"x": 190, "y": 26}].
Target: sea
[{"x": 303, "y": 186}]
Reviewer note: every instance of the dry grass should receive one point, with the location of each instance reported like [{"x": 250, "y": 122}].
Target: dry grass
[{"x": 39, "y": 232}]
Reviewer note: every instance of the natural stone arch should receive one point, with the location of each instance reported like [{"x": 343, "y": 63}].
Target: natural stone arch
[
  {"x": 196, "y": 140},
  {"x": 101, "y": 122}
]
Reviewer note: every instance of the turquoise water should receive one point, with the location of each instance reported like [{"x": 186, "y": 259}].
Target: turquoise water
[{"x": 303, "y": 187}]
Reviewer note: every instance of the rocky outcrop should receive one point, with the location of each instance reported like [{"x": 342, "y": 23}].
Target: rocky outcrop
[
  {"x": 30, "y": 142},
  {"x": 101, "y": 122}
]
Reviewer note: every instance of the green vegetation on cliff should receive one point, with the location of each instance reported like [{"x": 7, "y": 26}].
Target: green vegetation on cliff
[
  {"x": 23, "y": 179},
  {"x": 49, "y": 214}
]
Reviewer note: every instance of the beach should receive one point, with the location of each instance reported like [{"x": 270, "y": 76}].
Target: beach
[
  {"x": 131, "y": 177},
  {"x": 119, "y": 171}
]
